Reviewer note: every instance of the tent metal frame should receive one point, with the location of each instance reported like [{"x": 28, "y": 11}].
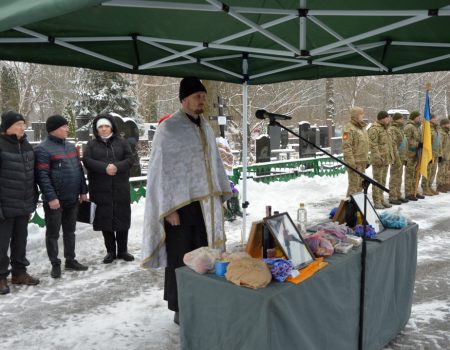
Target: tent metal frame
[{"x": 300, "y": 55}]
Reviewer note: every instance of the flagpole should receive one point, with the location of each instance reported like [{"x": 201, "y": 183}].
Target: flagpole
[{"x": 419, "y": 153}]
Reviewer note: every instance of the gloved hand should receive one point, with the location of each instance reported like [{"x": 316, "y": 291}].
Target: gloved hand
[{"x": 420, "y": 145}]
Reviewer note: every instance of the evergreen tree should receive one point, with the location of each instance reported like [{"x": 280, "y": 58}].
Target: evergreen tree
[
  {"x": 9, "y": 90},
  {"x": 69, "y": 114},
  {"x": 105, "y": 92}
]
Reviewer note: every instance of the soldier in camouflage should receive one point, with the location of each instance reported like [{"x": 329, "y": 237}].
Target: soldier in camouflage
[
  {"x": 381, "y": 156},
  {"x": 355, "y": 146},
  {"x": 413, "y": 135},
  {"x": 443, "y": 176},
  {"x": 432, "y": 167},
  {"x": 398, "y": 140}
]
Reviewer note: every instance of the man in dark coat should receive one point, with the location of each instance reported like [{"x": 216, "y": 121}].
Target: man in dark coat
[
  {"x": 18, "y": 198},
  {"x": 108, "y": 159},
  {"x": 60, "y": 177}
]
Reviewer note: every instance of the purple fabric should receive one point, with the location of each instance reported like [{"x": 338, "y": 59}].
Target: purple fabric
[{"x": 279, "y": 268}]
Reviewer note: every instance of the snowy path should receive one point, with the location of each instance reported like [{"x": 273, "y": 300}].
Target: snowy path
[{"x": 120, "y": 306}]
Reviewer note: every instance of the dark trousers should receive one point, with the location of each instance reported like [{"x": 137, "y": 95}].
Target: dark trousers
[
  {"x": 190, "y": 235},
  {"x": 13, "y": 234},
  {"x": 65, "y": 216},
  {"x": 112, "y": 238}
]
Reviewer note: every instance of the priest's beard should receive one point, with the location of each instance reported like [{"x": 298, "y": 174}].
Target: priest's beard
[{"x": 198, "y": 111}]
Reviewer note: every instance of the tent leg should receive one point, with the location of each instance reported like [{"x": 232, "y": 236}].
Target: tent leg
[{"x": 244, "y": 159}]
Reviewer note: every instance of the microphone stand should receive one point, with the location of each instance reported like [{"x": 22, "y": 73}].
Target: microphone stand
[{"x": 366, "y": 182}]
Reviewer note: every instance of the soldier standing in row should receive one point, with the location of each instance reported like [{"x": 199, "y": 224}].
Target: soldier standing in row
[
  {"x": 381, "y": 156},
  {"x": 398, "y": 140},
  {"x": 432, "y": 167},
  {"x": 355, "y": 146},
  {"x": 413, "y": 135},
  {"x": 443, "y": 175}
]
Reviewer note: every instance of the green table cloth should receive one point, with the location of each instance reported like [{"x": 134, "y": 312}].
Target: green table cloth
[{"x": 320, "y": 313}]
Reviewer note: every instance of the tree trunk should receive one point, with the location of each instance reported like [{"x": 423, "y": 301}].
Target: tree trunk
[
  {"x": 329, "y": 93},
  {"x": 212, "y": 87}
]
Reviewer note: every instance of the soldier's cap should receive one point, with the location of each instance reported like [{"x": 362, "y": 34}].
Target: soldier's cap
[
  {"x": 382, "y": 114},
  {"x": 397, "y": 116},
  {"x": 444, "y": 121},
  {"x": 414, "y": 115}
]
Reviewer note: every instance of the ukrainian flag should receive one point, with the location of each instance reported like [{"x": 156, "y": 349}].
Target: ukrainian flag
[{"x": 427, "y": 152}]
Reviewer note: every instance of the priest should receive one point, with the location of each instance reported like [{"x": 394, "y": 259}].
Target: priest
[{"x": 186, "y": 186}]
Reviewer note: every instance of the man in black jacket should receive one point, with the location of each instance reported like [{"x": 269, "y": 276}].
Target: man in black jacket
[
  {"x": 18, "y": 197},
  {"x": 60, "y": 177}
]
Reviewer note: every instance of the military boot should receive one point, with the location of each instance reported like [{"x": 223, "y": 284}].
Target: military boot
[
  {"x": 411, "y": 198},
  {"x": 419, "y": 196},
  {"x": 434, "y": 192},
  {"x": 395, "y": 201},
  {"x": 403, "y": 200},
  {"x": 441, "y": 188},
  {"x": 378, "y": 205}
]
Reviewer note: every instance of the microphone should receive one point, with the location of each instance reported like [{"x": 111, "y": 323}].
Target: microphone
[{"x": 263, "y": 114}]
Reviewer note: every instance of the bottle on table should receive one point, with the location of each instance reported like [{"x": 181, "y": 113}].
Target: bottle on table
[{"x": 301, "y": 218}]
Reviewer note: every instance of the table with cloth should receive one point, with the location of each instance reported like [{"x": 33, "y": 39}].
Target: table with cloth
[{"x": 320, "y": 313}]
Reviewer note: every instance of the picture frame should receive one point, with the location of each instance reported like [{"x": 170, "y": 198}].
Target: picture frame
[
  {"x": 289, "y": 239},
  {"x": 372, "y": 217}
]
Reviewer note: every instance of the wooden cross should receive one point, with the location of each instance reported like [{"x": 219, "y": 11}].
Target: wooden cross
[{"x": 221, "y": 118}]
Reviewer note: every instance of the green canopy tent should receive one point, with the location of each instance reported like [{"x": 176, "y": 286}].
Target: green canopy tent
[
  {"x": 238, "y": 41},
  {"x": 280, "y": 40}
]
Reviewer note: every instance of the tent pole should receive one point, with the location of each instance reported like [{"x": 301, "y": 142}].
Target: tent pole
[
  {"x": 244, "y": 147},
  {"x": 302, "y": 28},
  {"x": 244, "y": 159}
]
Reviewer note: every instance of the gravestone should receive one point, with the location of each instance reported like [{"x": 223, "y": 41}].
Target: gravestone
[
  {"x": 129, "y": 130},
  {"x": 262, "y": 151},
  {"x": 314, "y": 137},
  {"x": 324, "y": 141},
  {"x": 284, "y": 138},
  {"x": 305, "y": 150},
  {"x": 83, "y": 127},
  {"x": 275, "y": 136},
  {"x": 150, "y": 134},
  {"x": 40, "y": 131},
  {"x": 336, "y": 145},
  {"x": 30, "y": 135}
]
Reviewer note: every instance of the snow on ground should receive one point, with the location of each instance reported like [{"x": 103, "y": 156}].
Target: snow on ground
[{"x": 120, "y": 305}]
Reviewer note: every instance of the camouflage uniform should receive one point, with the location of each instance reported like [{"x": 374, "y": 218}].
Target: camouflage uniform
[
  {"x": 381, "y": 156},
  {"x": 413, "y": 135},
  {"x": 398, "y": 140},
  {"x": 355, "y": 146},
  {"x": 432, "y": 167},
  {"x": 443, "y": 176}
]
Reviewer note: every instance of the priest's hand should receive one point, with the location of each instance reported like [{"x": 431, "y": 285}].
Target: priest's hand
[{"x": 173, "y": 219}]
